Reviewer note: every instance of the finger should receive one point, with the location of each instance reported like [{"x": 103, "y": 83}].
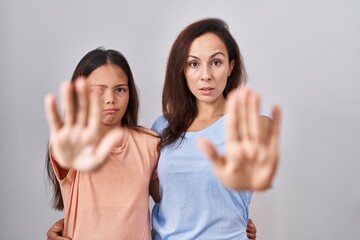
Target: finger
[
  {"x": 251, "y": 227},
  {"x": 54, "y": 233},
  {"x": 209, "y": 150},
  {"x": 274, "y": 140},
  {"x": 251, "y": 236},
  {"x": 251, "y": 230},
  {"x": 231, "y": 125},
  {"x": 253, "y": 116},
  {"x": 265, "y": 124},
  {"x": 275, "y": 130},
  {"x": 67, "y": 95},
  {"x": 55, "y": 236},
  {"x": 52, "y": 114},
  {"x": 242, "y": 112},
  {"x": 83, "y": 101},
  {"x": 94, "y": 119}
]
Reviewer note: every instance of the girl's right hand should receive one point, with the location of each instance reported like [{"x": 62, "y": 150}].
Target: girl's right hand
[
  {"x": 76, "y": 139},
  {"x": 54, "y": 233}
]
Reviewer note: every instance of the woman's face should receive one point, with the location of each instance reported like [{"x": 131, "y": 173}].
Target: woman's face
[
  {"x": 111, "y": 83},
  {"x": 208, "y": 68}
]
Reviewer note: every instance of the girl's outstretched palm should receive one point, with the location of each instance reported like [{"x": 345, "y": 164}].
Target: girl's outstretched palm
[
  {"x": 78, "y": 140},
  {"x": 251, "y": 144}
]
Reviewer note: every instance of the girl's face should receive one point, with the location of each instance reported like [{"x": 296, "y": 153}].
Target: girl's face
[
  {"x": 208, "y": 68},
  {"x": 111, "y": 83}
]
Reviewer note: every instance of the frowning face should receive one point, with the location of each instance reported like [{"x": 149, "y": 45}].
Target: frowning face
[{"x": 111, "y": 84}]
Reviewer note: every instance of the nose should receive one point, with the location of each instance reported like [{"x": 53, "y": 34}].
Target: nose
[
  {"x": 205, "y": 74},
  {"x": 110, "y": 98}
]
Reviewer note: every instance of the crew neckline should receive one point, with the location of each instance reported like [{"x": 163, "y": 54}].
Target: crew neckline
[
  {"x": 221, "y": 119},
  {"x": 124, "y": 142}
]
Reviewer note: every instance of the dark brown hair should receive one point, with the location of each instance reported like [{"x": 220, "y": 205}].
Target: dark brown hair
[
  {"x": 91, "y": 61},
  {"x": 178, "y": 103}
]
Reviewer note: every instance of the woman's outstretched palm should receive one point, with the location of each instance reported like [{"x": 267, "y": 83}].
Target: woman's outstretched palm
[
  {"x": 77, "y": 140},
  {"x": 251, "y": 144}
]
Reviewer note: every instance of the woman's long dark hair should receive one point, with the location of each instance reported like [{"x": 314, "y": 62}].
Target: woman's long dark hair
[
  {"x": 91, "y": 61},
  {"x": 178, "y": 103}
]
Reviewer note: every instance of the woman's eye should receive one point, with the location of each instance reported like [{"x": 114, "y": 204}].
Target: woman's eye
[
  {"x": 216, "y": 63},
  {"x": 193, "y": 64}
]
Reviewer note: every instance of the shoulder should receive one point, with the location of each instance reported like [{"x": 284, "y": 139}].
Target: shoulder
[
  {"x": 159, "y": 124},
  {"x": 144, "y": 134}
]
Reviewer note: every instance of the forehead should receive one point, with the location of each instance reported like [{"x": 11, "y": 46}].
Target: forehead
[
  {"x": 108, "y": 74},
  {"x": 207, "y": 43}
]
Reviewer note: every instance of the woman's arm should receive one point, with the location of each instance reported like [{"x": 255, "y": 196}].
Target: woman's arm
[
  {"x": 251, "y": 144},
  {"x": 154, "y": 190}
]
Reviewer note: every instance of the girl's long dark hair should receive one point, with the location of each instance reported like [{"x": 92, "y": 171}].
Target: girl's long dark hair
[
  {"x": 178, "y": 103},
  {"x": 91, "y": 61}
]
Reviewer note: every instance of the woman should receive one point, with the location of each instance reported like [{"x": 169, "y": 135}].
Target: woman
[{"x": 198, "y": 201}]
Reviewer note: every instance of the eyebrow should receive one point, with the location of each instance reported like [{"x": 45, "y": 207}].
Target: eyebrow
[
  {"x": 105, "y": 86},
  {"x": 213, "y": 55}
]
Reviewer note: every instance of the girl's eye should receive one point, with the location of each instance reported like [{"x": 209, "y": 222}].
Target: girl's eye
[
  {"x": 216, "y": 63},
  {"x": 120, "y": 90}
]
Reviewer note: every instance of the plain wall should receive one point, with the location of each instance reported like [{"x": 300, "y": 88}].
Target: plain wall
[{"x": 304, "y": 55}]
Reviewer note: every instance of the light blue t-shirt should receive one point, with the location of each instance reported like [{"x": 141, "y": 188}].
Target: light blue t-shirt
[{"x": 194, "y": 204}]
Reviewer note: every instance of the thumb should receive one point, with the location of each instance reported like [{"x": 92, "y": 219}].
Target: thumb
[
  {"x": 110, "y": 140},
  {"x": 209, "y": 150}
]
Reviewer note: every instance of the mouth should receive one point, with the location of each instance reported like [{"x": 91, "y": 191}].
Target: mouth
[
  {"x": 111, "y": 110},
  {"x": 206, "y": 90}
]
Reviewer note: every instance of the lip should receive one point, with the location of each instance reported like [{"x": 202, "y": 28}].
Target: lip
[
  {"x": 206, "y": 90},
  {"x": 111, "y": 110}
]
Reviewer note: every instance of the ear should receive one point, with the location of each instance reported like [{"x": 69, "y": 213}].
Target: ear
[{"x": 231, "y": 67}]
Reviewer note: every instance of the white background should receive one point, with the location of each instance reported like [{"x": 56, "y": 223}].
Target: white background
[{"x": 304, "y": 55}]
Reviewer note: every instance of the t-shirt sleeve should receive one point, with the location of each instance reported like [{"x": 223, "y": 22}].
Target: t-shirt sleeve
[
  {"x": 154, "y": 175},
  {"x": 69, "y": 176},
  {"x": 159, "y": 124}
]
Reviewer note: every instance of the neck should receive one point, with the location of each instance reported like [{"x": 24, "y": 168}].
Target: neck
[
  {"x": 211, "y": 110},
  {"x": 208, "y": 113}
]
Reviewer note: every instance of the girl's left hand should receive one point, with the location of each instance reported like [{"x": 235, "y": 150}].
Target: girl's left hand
[
  {"x": 251, "y": 148},
  {"x": 251, "y": 230}
]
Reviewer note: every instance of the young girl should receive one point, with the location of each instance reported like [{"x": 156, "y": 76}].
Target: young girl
[
  {"x": 199, "y": 201},
  {"x": 99, "y": 130}
]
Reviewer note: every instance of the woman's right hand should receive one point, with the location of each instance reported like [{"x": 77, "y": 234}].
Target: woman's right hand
[
  {"x": 76, "y": 139},
  {"x": 54, "y": 233},
  {"x": 251, "y": 144}
]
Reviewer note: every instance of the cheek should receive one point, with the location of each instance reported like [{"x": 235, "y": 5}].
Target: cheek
[
  {"x": 124, "y": 101},
  {"x": 190, "y": 82},
  {"x": 223, "y": 78}
]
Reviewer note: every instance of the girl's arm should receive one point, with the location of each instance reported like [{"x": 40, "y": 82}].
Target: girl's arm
[
  {"x": 251, "y": 230},
  {"x": 77, "y": 140}
]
